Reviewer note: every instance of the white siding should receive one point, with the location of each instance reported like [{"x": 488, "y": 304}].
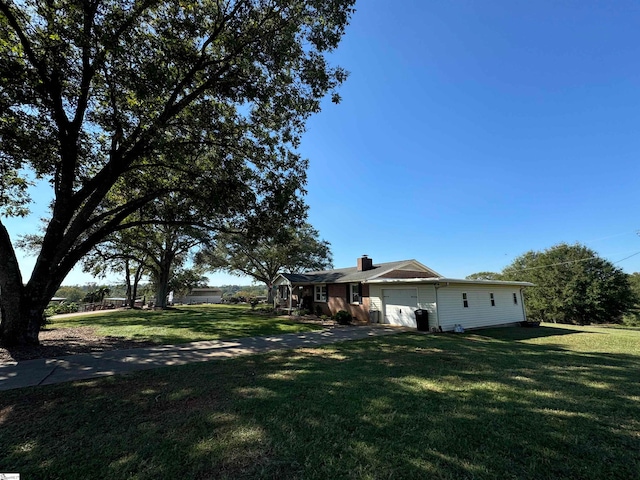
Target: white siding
[
  {"x": 194, "y": 299},
  {"x": 375, "y": 300},
  {"x": 480, "y": 313},
  {"x": 427, "y": 301}
]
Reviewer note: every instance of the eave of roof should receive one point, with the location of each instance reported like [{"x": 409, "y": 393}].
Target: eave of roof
[
  {"x": 446, "y": 280},
  {"x": 350, "y": 274}
]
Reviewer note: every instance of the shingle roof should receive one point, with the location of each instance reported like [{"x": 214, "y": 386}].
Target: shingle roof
[{"x": 344, "y": 275}]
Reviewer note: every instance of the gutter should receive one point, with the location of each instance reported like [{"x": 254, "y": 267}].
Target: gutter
[
  {"x": 524, "y": 312},
  {"x": 448, "y": 281}
]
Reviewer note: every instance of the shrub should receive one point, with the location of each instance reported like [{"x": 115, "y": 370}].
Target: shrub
[
  {"x": 343, "y": 317},
  {"x": 61, "y": 308},
  {"x": 58, "y": 309},
  {"x": 318, "y": 310},
  {"x": 267, "y": 310},
  {"x": 632, "y": 318}
]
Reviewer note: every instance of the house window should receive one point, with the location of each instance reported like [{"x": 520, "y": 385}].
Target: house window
[
  {"x": 515, "y": 299},
  {"x": 354, "y": 293},
  {"x": 284, "y": 292},
  {"x": 493, "y": 300},
  {"x": 320, "y": 293},
  {"x": 465, "y": 302}
]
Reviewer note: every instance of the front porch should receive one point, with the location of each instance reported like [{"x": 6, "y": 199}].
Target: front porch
[{"x": 290, "y": 297}]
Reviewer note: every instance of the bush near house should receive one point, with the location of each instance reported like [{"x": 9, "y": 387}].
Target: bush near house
[{"x": 343, "y": 317}]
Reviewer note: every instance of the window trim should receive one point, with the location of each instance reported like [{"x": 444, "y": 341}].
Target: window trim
[
  {"x": 354, "y": 288},
  {"x": 492, "y": 298},
  {"x": 515, "y": 298},
  {"x": 318, "y": 292},
  {"x": 465, "y": 300}
]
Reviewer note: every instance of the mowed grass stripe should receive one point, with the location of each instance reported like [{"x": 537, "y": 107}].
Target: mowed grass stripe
[
  {"x": 502, "y": 403},
  {"x": 185, "y": 324}
]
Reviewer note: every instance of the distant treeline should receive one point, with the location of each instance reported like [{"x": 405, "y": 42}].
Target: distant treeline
[{"x": 75, "y": 293}]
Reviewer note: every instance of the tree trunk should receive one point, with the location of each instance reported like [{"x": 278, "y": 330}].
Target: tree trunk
[
  {"x": 13, "y": 324},
  {"x": 136, "y": 281},
  {"x": 162, "y": 280},
  {"x": 269, "y": 293},
  {"x": 127, "y": 276},
  {"x": 22, "y": 306},
  {"x": 162, "y": 289}
]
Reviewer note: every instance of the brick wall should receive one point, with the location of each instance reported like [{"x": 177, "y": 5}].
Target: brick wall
[{"x": 338, "y": 294}]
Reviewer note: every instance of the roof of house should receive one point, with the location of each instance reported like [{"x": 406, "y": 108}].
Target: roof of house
[
  {"x": 381, "y": 273},
  {"x": 352, "y": 274}
]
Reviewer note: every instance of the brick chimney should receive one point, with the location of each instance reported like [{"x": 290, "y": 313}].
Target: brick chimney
[{"x": 364, "y": 263}]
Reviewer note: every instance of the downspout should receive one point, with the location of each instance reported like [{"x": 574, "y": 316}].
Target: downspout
[
  {"x": 524, "y": 312},
  {"x": 290, "y": 288},
  {"x": 437, "y": 287}
]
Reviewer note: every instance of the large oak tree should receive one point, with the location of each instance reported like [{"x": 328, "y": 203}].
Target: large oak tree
[
  {"x": 291, "y": 249},
  {"x": 124, "y": 94}
]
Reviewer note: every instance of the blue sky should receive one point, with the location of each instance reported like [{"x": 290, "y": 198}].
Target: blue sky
[{"x": 471, "y": 132}]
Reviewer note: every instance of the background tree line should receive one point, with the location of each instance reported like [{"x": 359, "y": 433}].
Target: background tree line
[{"x": 78, "y": 293}]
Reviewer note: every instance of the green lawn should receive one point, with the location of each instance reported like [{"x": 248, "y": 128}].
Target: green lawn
[
  {"x": 547, "y": 403},
  {"x": 184, "y": 324}
]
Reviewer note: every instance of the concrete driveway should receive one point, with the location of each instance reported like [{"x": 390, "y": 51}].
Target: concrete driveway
[{"x": 31, "y": 373}]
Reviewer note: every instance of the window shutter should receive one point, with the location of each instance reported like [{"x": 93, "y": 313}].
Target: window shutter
[{"x": 348, "y": 292}]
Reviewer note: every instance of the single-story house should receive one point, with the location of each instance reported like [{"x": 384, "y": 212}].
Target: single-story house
[
  {"x": 117, "y": 302},
  {"x": 201, "y": 295},
  {"x": 391, "y": 293}
]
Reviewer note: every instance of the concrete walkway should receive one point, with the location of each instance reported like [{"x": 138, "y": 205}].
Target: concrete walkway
[{"x": 31, "y": 373}]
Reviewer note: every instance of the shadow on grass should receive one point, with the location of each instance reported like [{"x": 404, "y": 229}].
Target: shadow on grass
[
  {"x": 405, "y": 406},
  {"x": 519, "y": 333}
]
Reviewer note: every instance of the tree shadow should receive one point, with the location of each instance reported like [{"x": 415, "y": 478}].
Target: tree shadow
[
  {"x": 520, "y": 333},
  {"x": 406, "y": 406}
]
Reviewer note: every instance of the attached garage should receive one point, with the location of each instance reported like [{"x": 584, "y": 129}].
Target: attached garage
[
  {"x": 400, "y": 305},
  {"x": 449, "y": 302}
]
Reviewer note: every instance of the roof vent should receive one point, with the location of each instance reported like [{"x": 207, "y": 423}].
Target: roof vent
[{"x": 364, "y": 263}]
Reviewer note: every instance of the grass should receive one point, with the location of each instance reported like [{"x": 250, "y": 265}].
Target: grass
[
  {"x": 553, "y": 402},
  {"x": 184, "y": 324}
]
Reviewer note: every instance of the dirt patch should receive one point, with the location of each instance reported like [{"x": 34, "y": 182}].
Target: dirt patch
[{"x": 58, "y": 342}]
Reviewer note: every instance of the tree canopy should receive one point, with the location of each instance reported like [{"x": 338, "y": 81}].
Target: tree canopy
[
  {"x": 119, "y": 103},
  {"x": 291, "y": 249},
  {"x": 484, "y": 276},
  {"x": 572, "y": 285}
]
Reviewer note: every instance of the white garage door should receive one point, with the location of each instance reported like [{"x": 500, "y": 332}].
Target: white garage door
[{"x": 400, "y": 305}]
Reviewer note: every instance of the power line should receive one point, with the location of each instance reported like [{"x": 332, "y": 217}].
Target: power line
[
  {"x": 555, "y": 264},
  {"x": 571, "y": 261},
  {"x": 625, "y": 258}
]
